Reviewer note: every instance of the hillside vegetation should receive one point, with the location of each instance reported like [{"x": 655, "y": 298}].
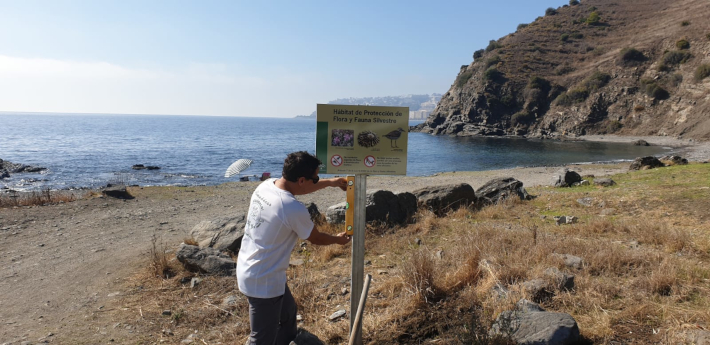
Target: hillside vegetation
[
  {"x": 644, "y": 277},
  {"x": 637, "y": 67}
]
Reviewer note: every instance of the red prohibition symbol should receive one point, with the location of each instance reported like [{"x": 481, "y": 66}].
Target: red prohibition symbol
[
  {"x": 336, "y": 160},
  {"x": 369, "y": 161}
]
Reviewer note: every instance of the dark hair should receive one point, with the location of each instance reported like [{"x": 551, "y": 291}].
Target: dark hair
[{"x": 300, "y": 164}]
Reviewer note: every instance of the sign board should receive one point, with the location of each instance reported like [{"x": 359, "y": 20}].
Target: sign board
[{"x": 362, "y": 139}]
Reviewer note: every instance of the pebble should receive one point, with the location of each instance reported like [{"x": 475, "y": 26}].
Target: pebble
[
  {"x": 338, "y": 314},
  {"x": 167, "y": 312}
]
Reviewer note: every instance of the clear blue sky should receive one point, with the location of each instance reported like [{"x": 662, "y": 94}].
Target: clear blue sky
[{"x": 238, "y": 58}]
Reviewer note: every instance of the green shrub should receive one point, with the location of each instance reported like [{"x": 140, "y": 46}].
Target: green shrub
[
  {"x": 539, "y": 83},
  {"x": 522, "y": 118},
  {"x": 550, "y": 11},
  {"x": 573, "y": 2},
  {"x": 631, "y": 56},
  {"x": 493, "y": 60},
  {"x": 577, "y": 35},
  {"x": 675, "y": 79},
  {"x": 564, "y": 37},
  {"x": 572, "y": 96},
  {"x": 675, "y": 57},
  {"x": 509, "y": 101},
  {"x": 592, "y": 8},
  {"x": 522, "y": 26},
  {"x": 702, "y": 72},
  {"x": 596, "y": 81},
  {"x": 492, "y": 74},
  {"x": 563, "y": 69},
  {"x": 478, "y": 54},
  {"x": 656, "y": 91},
  {"x": 685, "y": 23},
  {"x": 682, "y": 44},
  {"x": 613, "y": 126},
  {"x": 593, "y": 18},
  {"x": 492, "y": 45},
  {"x": 598, "y": 51},
  {"x": 463, "y": 79}
]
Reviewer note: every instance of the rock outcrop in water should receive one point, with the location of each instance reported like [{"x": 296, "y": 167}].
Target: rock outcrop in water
[{"x": 7, "y": 168}]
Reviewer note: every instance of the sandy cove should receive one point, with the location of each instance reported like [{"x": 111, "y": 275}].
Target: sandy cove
[{"x": 64, "y": 266}]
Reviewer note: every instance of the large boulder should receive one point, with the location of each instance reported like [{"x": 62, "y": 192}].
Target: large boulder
[
  {"x": 643, "y": 163},
  {"x": 380, "y": 206},
  {"x": 565, "y": 178},
  {"x": 441, "y": 199},
  {"x": 500, "y": 189},
  {"x": 221, "y": 234},
  {"x": 528, "y": 323},
  {"x": 205, "y": 260}
]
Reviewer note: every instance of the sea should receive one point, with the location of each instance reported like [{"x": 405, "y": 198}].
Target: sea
[{"x": 90, "y": 151}]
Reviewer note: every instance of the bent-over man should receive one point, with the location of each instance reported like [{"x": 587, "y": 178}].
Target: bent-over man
[{"x": 274, "y": 222}]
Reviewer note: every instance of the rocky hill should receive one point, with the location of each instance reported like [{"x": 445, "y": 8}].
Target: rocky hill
[{"x": 635, "y": 67}]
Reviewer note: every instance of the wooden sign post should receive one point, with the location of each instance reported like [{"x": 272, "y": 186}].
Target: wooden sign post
[{"x": 358, "y": 252}]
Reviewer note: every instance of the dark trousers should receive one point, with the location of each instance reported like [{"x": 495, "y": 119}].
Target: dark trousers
[{"x": 272, "y": 320}]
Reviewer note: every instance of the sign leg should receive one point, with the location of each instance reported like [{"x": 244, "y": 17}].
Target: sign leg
[{"x": 358, "y": 253}]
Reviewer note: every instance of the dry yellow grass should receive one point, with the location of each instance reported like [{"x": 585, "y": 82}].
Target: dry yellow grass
[{"x": 645, "y": 276}]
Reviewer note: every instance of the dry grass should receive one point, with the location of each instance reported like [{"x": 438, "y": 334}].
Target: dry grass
[
  {"x": 645, "y": 270},
  {"x": 37, "y": 198}
]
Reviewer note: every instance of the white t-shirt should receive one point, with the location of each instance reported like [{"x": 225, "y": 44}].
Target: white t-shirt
[{"x": 275, "y": 220}]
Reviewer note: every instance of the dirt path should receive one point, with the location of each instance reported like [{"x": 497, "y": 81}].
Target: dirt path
[{"x": 65, "y": 266}]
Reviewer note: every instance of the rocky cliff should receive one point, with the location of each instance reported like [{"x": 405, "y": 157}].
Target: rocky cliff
[{"x": 633, "y": 67}]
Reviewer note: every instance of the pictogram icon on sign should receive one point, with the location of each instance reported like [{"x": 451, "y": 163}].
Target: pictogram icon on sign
[
  {"x": 336, "y": 160},
  {"x": 369, "y": 161}
]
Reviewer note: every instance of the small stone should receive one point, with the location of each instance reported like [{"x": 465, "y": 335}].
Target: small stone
[
  {"x": 167, "y": 312},
  {"x": 439, "y": 254},
  {"x": 229, "y": 301},
  {"x": 114, "y": 294},
  {"x": 344, "y": 291},
  {"x": 368, "y": 262},
  {"x": 299, "y": 317},
  {"x": 338, "y": 314},
  {"x": 296, "y": 262},
  {"x": 585, "y": 201},
  {"x": 418, "y": 241},
  {"x": 168, "y": 332},
  {"x": 382, "y": 272},
  {"x": 194, "y": 282}
]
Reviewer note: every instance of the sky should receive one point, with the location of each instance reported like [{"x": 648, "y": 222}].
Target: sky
[{"x": 238, "y": 58}]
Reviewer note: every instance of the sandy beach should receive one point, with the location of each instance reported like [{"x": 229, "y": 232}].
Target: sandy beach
[{"x": 66, "y": 264}]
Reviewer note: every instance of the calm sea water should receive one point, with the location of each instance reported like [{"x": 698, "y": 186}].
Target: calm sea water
[{"x": 92, "y": 150}]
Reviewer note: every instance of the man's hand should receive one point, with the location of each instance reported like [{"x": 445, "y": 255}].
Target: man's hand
[
  {"x": 342, "y": 238},
  {"x": 340, "y": 182}
]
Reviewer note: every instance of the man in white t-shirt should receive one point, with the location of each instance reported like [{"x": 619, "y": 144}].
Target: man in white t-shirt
[{"x": 274, "y": 223}]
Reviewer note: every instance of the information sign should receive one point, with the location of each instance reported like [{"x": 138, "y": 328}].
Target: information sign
[{"x": 362, "y": 139}]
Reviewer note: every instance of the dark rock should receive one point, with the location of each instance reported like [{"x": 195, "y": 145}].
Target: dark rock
[
  {"x": 528, "y": 323},
  {"x": 220, "y": 234},
  {"x": 152, "y": 167},
  {"x": 641, "y": 143},
  {"x": 205, "y": 260},
  {"x": 565, "y": 178},
  {"x": 442, "y": 199},
  {"x": 116, "y": 191},
  {"x": 138, "y": 167},
  {"x": 16, "y": 168},
  {"x": 604, "y": 182},
  {"x": 648, "y": 162},
  {"x": 499, "y": 189},
  {"x": 674, "y": 160},
  {"x": 4, "y": 174},
  {"x": 380, "y": 206},
  {"x": 316, "y": 216}
]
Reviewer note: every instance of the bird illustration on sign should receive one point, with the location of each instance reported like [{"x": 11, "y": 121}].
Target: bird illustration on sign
[{"x": 393, "y": 136}]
